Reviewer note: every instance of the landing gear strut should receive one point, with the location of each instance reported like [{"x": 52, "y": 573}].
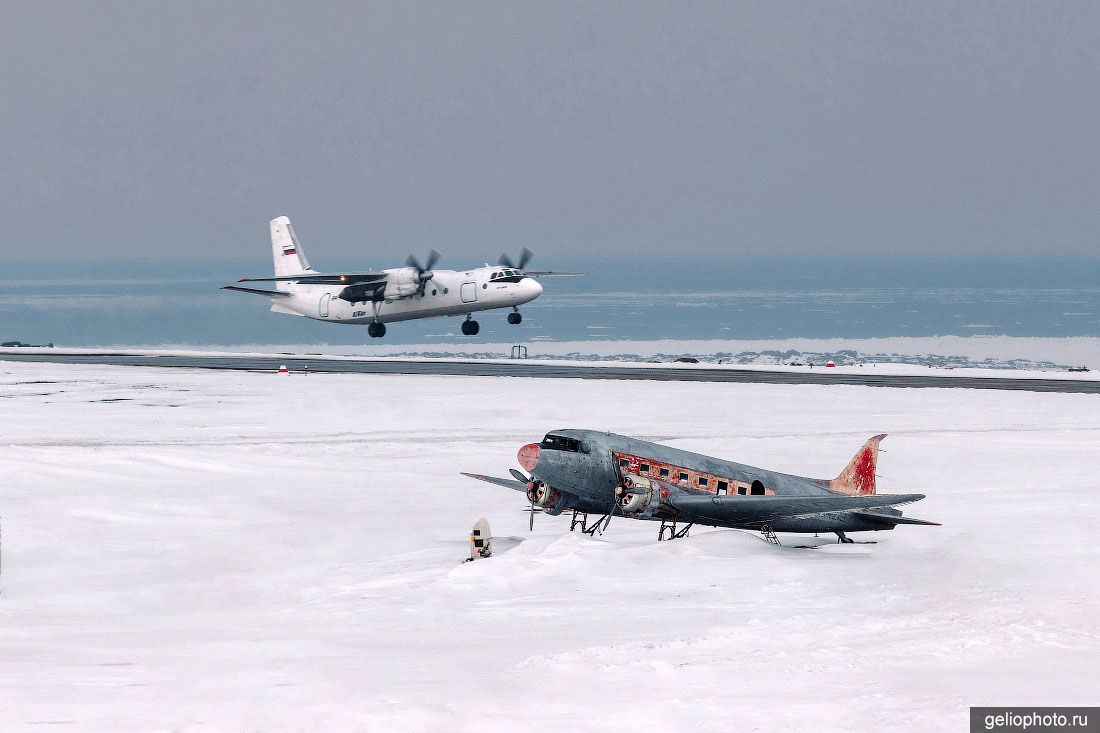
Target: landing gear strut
[
  {"x": 844, "y": 539},
  {"x": 376, "y": 330},
  {"x": 470, "y": 327},
  {"x": 580, "y": 519},
  {"x": 514, "y": 317},
  {"x": 669, "y": 525}
]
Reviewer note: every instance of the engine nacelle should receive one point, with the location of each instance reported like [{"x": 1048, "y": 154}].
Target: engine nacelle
[
  {"x": 635, "y": 494},
  {"x": 402, "y": 284},
  {"x": 543, "y": 495}
]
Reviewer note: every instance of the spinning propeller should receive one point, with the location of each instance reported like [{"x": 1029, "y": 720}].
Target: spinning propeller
[
  {"x": 524, "y": 257},
  {"x": 423, "y": 274}
]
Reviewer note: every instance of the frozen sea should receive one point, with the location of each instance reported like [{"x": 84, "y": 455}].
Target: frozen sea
[
  {"x": 223, "y": 551},
  {"x": 181, "y": 304}
]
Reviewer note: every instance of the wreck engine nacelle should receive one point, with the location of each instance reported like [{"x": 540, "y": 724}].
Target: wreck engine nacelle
[
  {"x": 635, "y": 495},
  {"x": 544, "y": 496},
  {"x": 402, "y": 284}
]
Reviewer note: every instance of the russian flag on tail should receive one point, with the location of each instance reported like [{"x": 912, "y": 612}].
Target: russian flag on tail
[{"x": 289, "y": 249}]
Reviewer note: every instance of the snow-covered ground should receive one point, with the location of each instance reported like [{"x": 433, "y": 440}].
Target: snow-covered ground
[{"x": 221, "y": 550}]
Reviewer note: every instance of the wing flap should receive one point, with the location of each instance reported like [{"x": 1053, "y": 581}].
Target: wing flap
[{"x": 752, "y": 509}]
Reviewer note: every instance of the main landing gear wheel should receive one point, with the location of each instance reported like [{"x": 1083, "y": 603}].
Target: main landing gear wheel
[
  {"x": 376, "y": 330},
  {"x": 514, "y": 317},
  {"x": 470, "y": 328}
]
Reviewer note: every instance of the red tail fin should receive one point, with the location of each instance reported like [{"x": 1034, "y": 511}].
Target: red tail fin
[{"x": 858, "y": 477}]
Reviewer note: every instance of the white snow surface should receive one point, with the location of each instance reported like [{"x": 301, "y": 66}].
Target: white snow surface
[{"x": 211, "y": 550}]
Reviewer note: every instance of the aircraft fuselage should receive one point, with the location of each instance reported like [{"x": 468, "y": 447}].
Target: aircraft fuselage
[
  {"x": 584, "y": 469},
  {"x": 448, "y": 293}
]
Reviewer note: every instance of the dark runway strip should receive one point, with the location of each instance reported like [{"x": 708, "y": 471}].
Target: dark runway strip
[{"x": 519, "y": 368}]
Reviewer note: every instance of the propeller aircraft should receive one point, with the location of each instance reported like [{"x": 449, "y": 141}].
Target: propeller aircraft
[
  {"x": 417, "y": 290},
  {"x": 592, "y": 472}
]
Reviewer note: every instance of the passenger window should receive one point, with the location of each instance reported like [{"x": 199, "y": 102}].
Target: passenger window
[
  {"x": 723, "y": 487},
  {"x": 683, "y": 477},
  {"x": 644, "y": 468},
  {"x": 703, "y": 480},
  {"x": 741, "y": 490},
  {"x": 623, "y": 462},
  {"x": 664, "y": 473}
]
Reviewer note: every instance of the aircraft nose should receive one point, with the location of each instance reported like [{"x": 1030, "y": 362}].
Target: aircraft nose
[
  {"x": 528, "y": 456},
  {"x": 533, "y": 287}
]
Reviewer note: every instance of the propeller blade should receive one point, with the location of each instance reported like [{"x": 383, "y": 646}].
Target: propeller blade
[
  {"x": 413, "y": 263},
  {"x": 525, "y": 256},
  {"x": 433, "y": 257},
  {"x": 531, "y": 524},
  {"x": 518, "y": 476}
]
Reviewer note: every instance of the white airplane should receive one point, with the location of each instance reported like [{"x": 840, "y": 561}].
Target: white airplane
[{"x": 399, "y": 294}]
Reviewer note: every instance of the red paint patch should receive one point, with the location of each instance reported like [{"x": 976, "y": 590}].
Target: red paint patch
[
  {"x": 664, "y": 492},
  {"x": 528, "y": 456},
  {"x": 864, "y": 472}
]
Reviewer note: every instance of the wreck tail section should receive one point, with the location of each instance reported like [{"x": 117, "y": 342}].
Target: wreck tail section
[{"x": 858, "y": 477}]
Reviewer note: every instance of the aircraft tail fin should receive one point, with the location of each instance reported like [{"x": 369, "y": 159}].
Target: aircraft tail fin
[
  {"x": 288, "y": 254},
  {"x": 858, "y": 477}
]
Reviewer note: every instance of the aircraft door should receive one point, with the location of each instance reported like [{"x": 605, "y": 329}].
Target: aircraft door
[
  {"x": 469, "y": 292},
  {"x": 322, "y": 307}
]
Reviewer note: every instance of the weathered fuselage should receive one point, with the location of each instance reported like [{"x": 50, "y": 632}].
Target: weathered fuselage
[{"x": 585, "y": 469}]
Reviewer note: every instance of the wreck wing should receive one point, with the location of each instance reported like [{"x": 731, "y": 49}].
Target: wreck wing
[{"x": 754, "y": 510}]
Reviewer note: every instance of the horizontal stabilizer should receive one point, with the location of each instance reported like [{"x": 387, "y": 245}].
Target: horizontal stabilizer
[
  {"x": 763, "y": 509},
  {"x": 506, "y": 482},
  {"x": 257, "y": 291},
  {"x": 894, "y": 519}
]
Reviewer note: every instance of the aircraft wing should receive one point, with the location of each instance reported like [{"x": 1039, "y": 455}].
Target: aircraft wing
[
  {"x": 764, "y": 509},
  {"x": 509, "y": 483},
  {"x": 550, "y": 273},
  {"x": 349, "y": 278}
]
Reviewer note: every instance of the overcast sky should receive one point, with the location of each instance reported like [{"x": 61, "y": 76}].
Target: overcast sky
[{"x": 145, "y": 131}]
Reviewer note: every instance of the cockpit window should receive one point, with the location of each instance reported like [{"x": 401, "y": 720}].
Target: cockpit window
[{"x": 560, "y": 442}]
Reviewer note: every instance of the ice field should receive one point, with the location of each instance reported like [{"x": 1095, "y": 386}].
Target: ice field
[{"x": 206, "y": 550}]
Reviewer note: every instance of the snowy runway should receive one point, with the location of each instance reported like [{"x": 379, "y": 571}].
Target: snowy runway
[{"x": 227, "y": 550}]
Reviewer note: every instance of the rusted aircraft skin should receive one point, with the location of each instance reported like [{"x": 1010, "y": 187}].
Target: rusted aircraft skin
[{"x": 584, "y": 469}]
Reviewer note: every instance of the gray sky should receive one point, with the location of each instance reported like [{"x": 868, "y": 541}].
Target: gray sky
[{"x": 176, "y": 130}]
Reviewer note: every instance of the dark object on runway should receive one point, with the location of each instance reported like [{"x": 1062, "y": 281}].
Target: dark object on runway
[
  {"x": 1081, "y": 368},
  {"x": 520, "y": 368},
  {"x": 687, "y": 360}
]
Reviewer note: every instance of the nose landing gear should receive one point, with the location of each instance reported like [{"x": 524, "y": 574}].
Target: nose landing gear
[
  {"x": 376, "y": 330},
  {"x": 470, "y": 327},
  {"x": 514, "y": 317}
]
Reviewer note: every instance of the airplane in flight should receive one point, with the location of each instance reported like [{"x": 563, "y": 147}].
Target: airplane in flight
[
  {"x": 399, "y": 294},
  {"x": 592, "y": 472}
]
